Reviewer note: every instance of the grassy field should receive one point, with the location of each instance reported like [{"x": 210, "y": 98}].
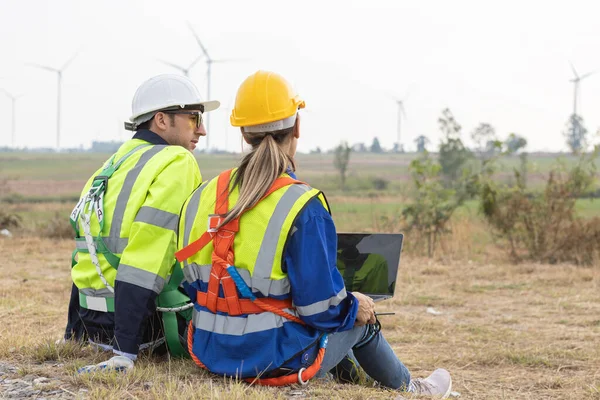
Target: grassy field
[
  {"x": 506, "y": 331},
  {"x": 39, "y": 175}
]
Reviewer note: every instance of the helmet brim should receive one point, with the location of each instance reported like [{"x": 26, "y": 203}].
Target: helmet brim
[{"x": 209, "y": 105}]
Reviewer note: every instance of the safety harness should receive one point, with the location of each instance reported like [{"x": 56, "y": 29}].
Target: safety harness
[
  {"x": 223, "y": 273},
  {"x": 170, "y": 301}
]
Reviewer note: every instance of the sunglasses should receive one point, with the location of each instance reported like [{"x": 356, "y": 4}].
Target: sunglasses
[{"x": 197, "y": 116}]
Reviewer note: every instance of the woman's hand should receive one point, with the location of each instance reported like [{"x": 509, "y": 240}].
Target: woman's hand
[{"x": 366, "y": 310}]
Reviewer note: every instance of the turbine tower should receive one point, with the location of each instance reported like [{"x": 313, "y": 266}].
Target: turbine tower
[
  {"x": 401, "y": 112},
  {"x": 576, "y": 81},
  {"x": 13, "y": 113},
  {"x": 59, "y": 74}
]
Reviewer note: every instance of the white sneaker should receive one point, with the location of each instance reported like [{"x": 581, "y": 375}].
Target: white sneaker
[
  {"x": 437, "y": 384},
  {"x": 116, "y": 363}
]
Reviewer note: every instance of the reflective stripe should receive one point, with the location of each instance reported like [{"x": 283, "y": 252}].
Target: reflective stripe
[
  {"x": 115, "y": 245},
  {"x": 238, "y": 326},
  {"x": 96, "y": 292},
  {"x": 156, "y": 217},
  {"x": 108, "y": 347},
  {"x": 194, "y": 272},
  {"x": 261, "y": 278},
  {"x": 96, "y": 303},
  {"x": 321, "y": 306},
  {"x": 190, "y": 215},
  {"x": 139, "y": 277},
  {"x": 123, "y": 198},
  {"x": 126, "y": 156},
  {"x": 102, "y": 304}
]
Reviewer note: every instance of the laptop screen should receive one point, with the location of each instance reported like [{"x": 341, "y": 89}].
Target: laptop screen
[{"x": 369, "y": 262}]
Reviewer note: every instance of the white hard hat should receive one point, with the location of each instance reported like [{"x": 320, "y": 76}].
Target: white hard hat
[{"x": 165, "y": 91}]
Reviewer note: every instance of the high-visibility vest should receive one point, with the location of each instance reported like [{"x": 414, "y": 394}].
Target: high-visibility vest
[
  {"x": 244, "y": 256},
  {"x": 121, "y": 210}
]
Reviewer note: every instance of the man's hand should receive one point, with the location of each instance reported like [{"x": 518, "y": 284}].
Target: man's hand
[
  {"x": 117, "y": 363},
  {"x": 366, "y": 310}
]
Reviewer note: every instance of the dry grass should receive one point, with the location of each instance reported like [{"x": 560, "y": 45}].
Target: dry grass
[{"x": 525, "y": 331}]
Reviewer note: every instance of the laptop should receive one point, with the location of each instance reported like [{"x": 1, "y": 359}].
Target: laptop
[{"x": 369, "y": 262}]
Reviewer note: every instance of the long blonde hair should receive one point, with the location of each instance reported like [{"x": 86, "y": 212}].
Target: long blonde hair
[{"x": 259, "y": 169}]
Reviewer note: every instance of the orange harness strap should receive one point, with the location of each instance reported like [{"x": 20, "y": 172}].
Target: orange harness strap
[
  {"x": 223, "y": 256},
  {"x": 247, "y": 306}
]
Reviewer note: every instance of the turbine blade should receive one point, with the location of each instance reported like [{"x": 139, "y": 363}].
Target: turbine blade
[
  {"x": 6, "y": 92},
  {"x": 588, "y": 74},
  {"x": 70, "y": 61},
  {"x": 407, "y": 93},
  {"x": 392, "y": 96},
  {"x": 573, "y": 69},
  {"x": 172, "y": 65},
  {"x": 43, "y": 67},
  {"x": 198, "y": 41},
  {"x": 194, "y": 62}
]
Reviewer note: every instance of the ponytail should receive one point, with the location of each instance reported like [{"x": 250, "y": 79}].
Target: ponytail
[{"x": 259, "y": 169}]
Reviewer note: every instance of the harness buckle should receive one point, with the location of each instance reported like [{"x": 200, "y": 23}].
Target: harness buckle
[
  {"x": 300, "y": 381},
  {"x": 213, "y": 221},
  {"x": 103, "y": 180}
]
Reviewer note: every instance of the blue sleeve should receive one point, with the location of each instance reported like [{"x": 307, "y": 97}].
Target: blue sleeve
[{"x": 318, "y": 291}]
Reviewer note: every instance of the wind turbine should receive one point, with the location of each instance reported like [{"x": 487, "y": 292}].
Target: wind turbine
[
  {"x": 184, "y": 71},
  {"x": 209, "y": 63},
  {"x": 13, "y": 99},
  {"x": 576, "y": 81},
  {"x": 59, "y": 74}
]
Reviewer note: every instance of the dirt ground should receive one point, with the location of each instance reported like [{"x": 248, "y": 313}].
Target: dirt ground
[{"x": 504, "y": 331}]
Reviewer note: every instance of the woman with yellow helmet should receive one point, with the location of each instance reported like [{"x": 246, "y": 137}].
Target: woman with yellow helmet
[{"x": 259, "y": 251}]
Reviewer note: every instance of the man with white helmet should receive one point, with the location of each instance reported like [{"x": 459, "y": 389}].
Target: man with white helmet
[{"x": 125, "y": 225}]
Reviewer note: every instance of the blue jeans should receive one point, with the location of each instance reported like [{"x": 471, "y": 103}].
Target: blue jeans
[{"x": 376, "y": 357}]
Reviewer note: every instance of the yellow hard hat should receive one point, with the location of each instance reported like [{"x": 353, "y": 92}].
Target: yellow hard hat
[{"x": 265, "y": 102}]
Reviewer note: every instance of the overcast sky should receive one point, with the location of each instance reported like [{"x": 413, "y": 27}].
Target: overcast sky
[{"x": 505, "y": 63}]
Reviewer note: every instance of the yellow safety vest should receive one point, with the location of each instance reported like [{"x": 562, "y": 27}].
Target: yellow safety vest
[
  {"x": 259, "y": 245},
  {"x": 142, "y": 202}
]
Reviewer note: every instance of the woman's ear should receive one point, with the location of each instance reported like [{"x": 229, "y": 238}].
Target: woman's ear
[{"x": 297, "y": 127}]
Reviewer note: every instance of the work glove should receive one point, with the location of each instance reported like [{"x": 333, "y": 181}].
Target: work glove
[{"x": 117, "y": 363}]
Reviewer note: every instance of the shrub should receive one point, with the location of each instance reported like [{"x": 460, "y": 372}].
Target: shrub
[
  {"x": 543, "y": 225},
  {"x": 58, "y": 227},
  {"x": 9, "y": 220},
  {"x": 433, "y": 204}
]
